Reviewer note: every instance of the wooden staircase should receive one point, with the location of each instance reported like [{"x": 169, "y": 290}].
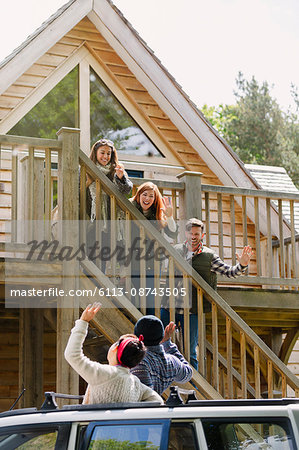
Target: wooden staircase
[{"x": 233, "y": 361}]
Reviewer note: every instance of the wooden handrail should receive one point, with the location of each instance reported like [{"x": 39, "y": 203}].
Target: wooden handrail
[
  {"x": 166, "y": 185},
  {"x": 38, "y": 143},
  {"x": 218, "y": 303},
  {"x": 219, "y": 307},
  {"x": 288, "y": 240},
  {"x": 250, "y": 192}
]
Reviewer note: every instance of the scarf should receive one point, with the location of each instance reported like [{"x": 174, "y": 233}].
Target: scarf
[
  {"x": 197, "y": 250},
  {"x": 92, "y": 190}
]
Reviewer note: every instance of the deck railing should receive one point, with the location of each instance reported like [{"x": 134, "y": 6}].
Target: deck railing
[
  {"x": 235, "y": 361},
  {"x": 235, "y": 217},
  {"x": 224, "y": 333}
]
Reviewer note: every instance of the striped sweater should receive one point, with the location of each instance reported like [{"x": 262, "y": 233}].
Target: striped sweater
[{"x": 162, "y": 365}]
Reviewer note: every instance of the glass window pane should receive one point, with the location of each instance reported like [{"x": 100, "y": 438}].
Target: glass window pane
[
  {"x": 182, "y": 437},
  {"x": 109, "y": 119},
  {"x": 34, "y": 439},
  {"x": 47, "y": 441},
  {"x": 125, "y": 437},
  {"x": 59, "y": 108},
  {"x": 270, "y": 435}
]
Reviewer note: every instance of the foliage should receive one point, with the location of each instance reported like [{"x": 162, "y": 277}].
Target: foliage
[
  {"x": 108, "y": 119},
  {"x": 43, "y": 441},
  {"x": 59, "y": 108},
  {"x": 256, "y": 127},
  {"x": 114, "y": 444}
]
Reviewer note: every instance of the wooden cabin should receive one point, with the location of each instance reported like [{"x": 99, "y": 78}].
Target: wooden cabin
[{"x": 87, "y": 74}]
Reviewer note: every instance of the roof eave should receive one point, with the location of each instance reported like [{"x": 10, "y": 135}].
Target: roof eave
[{"x": 38, "y": 43}]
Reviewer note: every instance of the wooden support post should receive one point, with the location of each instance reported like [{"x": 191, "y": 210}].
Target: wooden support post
[
  {"x": 192, "y": 197},
  {"x": 31, "y": 201},
  {"x": 67, "y": 381},
  {"x": 31, "y": 357}
]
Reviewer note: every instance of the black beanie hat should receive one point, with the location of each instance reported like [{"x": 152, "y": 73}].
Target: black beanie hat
[{"x": 151, "y": 328}]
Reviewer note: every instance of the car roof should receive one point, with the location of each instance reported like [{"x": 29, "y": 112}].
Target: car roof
[{"x": 152, "y": 411}]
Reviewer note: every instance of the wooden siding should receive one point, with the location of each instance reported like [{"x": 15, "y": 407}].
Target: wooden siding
[{"x": 9, "y": 357}]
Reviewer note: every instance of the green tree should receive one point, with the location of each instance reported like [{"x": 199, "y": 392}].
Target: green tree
[
  {"x": 59, "y": 108},
  {"x": 256, "y": 127}
]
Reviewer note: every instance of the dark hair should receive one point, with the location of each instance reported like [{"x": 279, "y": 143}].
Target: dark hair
[
  {"x": 133, "y": 352},
  {"x": 114, "y": 157},
  {"x": 194, "y": 222}
]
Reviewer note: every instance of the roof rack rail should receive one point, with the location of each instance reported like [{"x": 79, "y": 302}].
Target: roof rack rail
[
  {"x": 15, "y": 412},
  {"x": 175, "y": 398},
  {"x": 245, "y": 402},
  {"x": 50, "y": 400}
]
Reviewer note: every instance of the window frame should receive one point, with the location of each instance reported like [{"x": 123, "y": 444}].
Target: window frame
[
  {"x": 63, "y": 430},
  {"x": 273, "y": 420},
  {"x": 188, "y": 422},
  {"x": 92, "y": 425}
]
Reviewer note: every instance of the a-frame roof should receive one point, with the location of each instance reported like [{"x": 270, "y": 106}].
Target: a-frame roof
[{"x": 187, "y": 132}]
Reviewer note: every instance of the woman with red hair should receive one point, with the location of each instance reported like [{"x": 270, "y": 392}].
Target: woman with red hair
[
  {"x": 149, "y": 201},
  {"x": 112, "y": 382}
]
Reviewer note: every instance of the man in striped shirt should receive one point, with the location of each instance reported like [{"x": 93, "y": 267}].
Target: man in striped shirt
[
  {"x": 207, "y": 264},
  {"x": 162, "y": 363}
]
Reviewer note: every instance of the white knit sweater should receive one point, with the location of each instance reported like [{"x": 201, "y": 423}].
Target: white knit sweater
[{"x": 106, "y": 384}]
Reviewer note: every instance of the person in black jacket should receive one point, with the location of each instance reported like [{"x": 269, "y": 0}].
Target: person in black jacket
[{"x": 149, "y": 201}]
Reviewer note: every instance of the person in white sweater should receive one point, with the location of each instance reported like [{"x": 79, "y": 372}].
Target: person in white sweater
[{"x": 113, "y": 382}]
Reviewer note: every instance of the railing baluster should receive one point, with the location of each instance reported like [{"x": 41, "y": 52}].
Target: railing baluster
[
  {"x": 207, "y": 221},
  {"x": 14, "y": 195},
  {"x": 243, "y": 364},
  {"x": 257, "y": 236},
  {"x": 269, "y": 240},
  {"x": 288, "y": 260},
  {"x": 99, "y": 200},
  {"x": 257, "y": 372},
  {"x": 157, "y": 282},
  {"x": 293, "y": 239},
  {"x": 244, "y": 220},
  {"x": 221, "y": 382},
  {"x": 142, "y": 272},
  {"x": 233, "y": 228},
  {"x": 48, "y": 193},
  {"x": 174, "y": 204},
  {"x": 186, "y": 317},
  {"x": 229, "y": 357},
  {"x": 30, "y": 193},
  {"x": 220, "y": 225},
  {"x": 215, "y": 346},
  {"x": 282, "y": 258},
  {"x": 283, "y": 386},
  {"x": 83, "y": 203},
  {"x": 98, "y": 222},
  {"x": 201, "y": 333},
  {"x": 128, "y": 245},
  {"x": 113, "y": 235},
  {"x": 171, "y": 286},
  {"x": 270, "y": 378}
]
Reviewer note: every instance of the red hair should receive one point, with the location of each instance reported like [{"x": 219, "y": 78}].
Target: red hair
[{"x": 158, "y": 202}]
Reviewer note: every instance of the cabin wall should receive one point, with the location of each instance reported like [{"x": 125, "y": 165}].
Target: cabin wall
[{"x": 9, "y": 357}]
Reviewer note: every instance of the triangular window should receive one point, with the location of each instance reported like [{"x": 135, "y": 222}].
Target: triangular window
[
  {"x": 59, "y": 108},
  {"x": 109, "y": 119}
]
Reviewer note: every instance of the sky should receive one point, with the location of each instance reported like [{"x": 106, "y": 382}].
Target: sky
[{"x": 203, "y": 44}]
